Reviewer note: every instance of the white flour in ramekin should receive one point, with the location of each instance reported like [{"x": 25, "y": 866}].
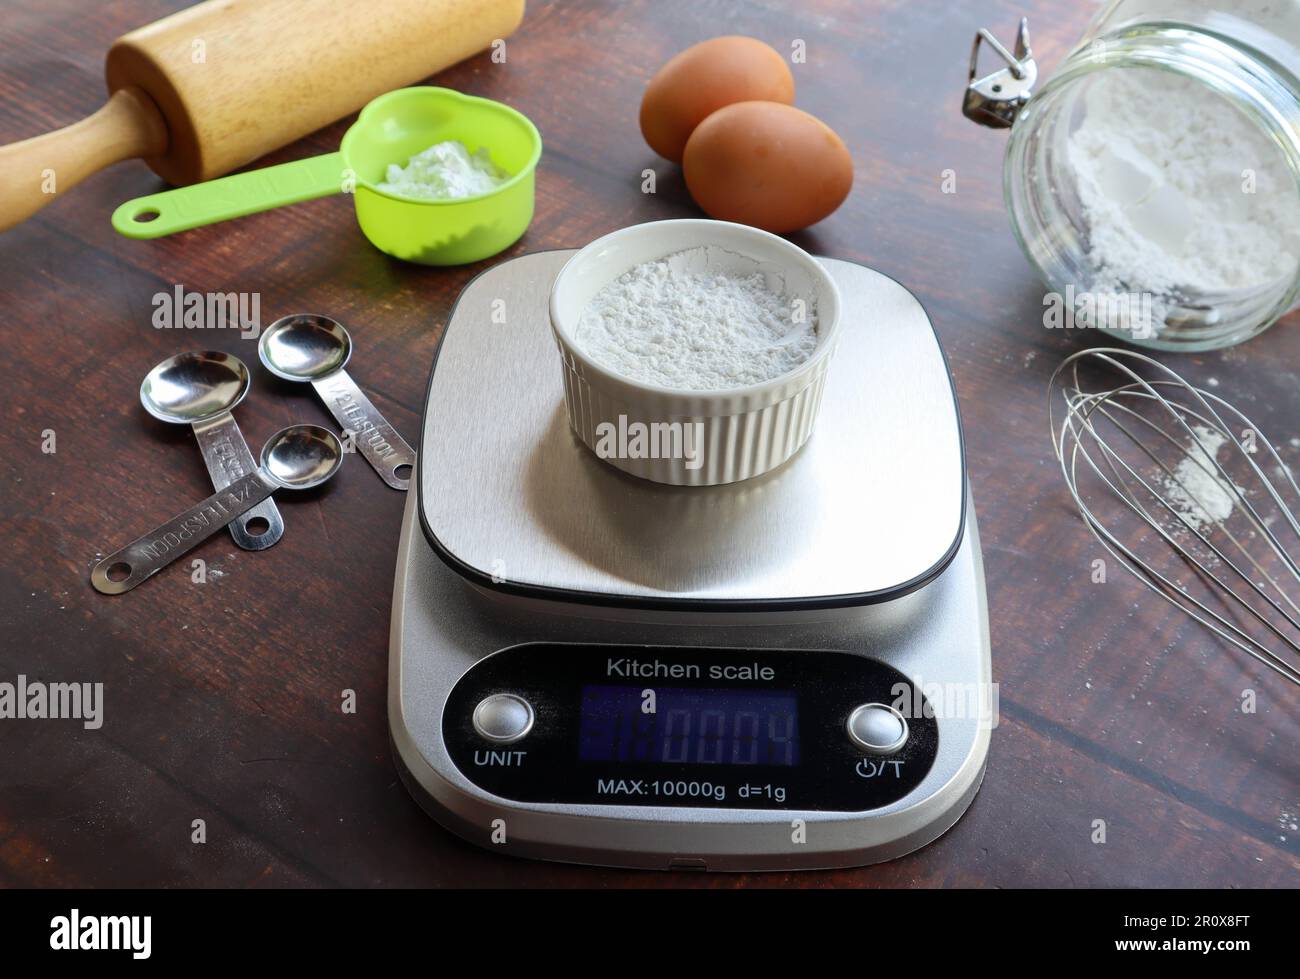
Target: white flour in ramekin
[{"x": 668, "y": 323}]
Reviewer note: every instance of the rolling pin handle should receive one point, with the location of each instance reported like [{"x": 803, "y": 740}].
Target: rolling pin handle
[{"x": 35, "y": 171}]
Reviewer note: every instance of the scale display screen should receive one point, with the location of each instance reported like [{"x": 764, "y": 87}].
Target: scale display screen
[
  {"x": 736, "y": 726},
  {"x": 688, "y": 726}
]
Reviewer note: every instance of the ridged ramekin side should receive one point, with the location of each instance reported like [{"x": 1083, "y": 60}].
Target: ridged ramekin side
[{"x": 725, "y": 447}]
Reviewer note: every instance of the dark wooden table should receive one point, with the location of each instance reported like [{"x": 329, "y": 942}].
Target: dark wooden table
[{"x": 223, "y": 699}]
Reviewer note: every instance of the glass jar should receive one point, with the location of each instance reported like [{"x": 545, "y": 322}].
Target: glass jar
[{"x": 1163, "y": 205}]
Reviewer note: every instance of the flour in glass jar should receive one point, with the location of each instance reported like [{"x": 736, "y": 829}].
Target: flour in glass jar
[{"x": 1181, "y": 192}]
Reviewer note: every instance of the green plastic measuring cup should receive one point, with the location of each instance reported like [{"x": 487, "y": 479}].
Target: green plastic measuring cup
[{"x": 391, "y": 129}]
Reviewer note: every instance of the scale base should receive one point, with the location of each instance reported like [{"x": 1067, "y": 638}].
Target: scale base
[
  {"x": 441, "y": 627},
  {"x": 844, "y": 599}
]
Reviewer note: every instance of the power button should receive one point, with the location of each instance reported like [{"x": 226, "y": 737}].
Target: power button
[{"x": 877, "y": 729}]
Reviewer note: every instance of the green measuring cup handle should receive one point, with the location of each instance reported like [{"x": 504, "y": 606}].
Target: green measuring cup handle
[{"x": 230, "y": 197}]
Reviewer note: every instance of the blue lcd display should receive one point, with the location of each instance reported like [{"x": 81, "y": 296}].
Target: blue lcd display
[{"x": 689, "y": 726}]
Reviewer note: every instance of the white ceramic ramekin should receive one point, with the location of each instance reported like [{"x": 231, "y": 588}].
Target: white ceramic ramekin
[{"x": 735, "y": 433}]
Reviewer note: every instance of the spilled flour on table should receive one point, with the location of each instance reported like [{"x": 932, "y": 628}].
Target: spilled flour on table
[{"x": 1197, "y": 490}]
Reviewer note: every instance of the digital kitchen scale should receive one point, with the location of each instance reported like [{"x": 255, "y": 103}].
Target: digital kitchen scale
[{"x": 786, "y": 672}]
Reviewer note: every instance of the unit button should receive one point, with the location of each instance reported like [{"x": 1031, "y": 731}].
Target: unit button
[
  {"x": 877, "y": 729},
  {"x": 503, "y": 718}
]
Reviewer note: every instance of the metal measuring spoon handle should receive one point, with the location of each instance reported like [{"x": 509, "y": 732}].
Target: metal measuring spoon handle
[
  {"x": 378, "y": 441},
  {"x": 201, "y": 388},
  {"x": 228, "y": 458},
  {"x": 146, "y": 556}
]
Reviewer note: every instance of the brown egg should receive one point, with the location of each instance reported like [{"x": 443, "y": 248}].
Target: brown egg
[
  {"x": 768, "y": 165},
  {"x": 702, "y": 79}
]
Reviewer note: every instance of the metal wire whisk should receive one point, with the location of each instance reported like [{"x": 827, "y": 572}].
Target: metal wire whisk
[{"x": 1187, "y": 494}]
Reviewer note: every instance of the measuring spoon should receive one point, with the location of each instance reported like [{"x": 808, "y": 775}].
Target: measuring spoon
[
  {"x": 201, "y": 389},
  {"x": 314, "y": 348},
  {"x": 298, "y": 457}
]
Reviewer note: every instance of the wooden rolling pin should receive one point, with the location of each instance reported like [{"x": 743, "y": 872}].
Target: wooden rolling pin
[{"x": 208, "y": 89}]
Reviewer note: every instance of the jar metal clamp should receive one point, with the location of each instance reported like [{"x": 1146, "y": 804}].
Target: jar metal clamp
[{"x": 996, "y": 99}]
